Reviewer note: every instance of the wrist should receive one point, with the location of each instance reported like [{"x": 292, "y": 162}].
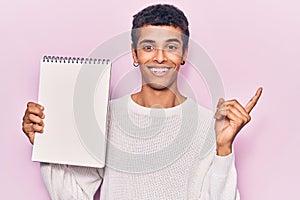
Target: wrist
[{"x": 224, "y": 149}]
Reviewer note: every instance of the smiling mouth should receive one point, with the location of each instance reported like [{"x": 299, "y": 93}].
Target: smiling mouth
[{"x": 159, "y": 71}]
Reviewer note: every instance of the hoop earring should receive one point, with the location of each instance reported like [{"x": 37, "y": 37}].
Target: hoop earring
[
  {"x": 183, "y": 62},
  {"x": 135, "y": 64}
]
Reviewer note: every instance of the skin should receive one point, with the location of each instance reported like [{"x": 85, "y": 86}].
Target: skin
[
  {"x": 161, "y": 47},
  {"x": 231, "y": 117},
  {"x": 33, "y": 120}
]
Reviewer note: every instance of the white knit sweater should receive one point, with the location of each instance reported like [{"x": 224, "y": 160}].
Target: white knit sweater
[{"x": 152, "y": 153}]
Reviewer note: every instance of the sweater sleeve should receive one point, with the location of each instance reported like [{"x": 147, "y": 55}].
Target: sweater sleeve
[
  {"x": 70, "y": 182},
  {"x": 220, "y": 183}
]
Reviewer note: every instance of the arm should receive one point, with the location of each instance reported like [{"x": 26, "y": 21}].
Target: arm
[
  {"x": 62, "y": 182},
  {"x": 71, "y": 182},
  {"x": 220, "y": 182}
]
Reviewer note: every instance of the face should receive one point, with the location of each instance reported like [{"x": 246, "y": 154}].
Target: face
[{"x": 159, "y": 54}]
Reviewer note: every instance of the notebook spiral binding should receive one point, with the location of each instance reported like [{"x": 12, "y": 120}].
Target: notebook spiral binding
[{"x": 57, "y": 59}]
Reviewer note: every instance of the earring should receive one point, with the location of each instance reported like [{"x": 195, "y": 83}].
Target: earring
[
  {"x": 135, "y": 64},
  {"x": 183, "y": 62}
]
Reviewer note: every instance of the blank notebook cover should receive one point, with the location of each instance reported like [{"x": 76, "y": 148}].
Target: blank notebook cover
[{"x": 75, "y": 94}]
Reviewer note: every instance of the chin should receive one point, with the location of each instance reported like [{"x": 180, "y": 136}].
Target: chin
[
  {"x": 160, "y": 84},
  {"x": 157, "y": 86}
]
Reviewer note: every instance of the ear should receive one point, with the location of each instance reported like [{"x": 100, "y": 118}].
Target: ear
[
  {"x": 185, "y": 53},
  {"x": 134, "y": 54}
]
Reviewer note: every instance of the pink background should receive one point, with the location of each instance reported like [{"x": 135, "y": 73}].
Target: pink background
[{"x": 253, "y": 43}]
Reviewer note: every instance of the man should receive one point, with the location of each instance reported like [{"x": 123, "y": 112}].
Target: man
[{"x": 158, "y": 117}]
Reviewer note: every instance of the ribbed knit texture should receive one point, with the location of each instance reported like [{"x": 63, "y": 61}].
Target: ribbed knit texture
[{"x": 152, "y": 153}]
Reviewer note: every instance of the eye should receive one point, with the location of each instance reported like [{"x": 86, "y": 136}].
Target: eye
[
  {"x": 172, "y": 47},
  {"x": 148, "y": 47}
]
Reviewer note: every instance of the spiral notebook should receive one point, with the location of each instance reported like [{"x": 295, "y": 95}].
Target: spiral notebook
[{"x": 75, "y": 94}]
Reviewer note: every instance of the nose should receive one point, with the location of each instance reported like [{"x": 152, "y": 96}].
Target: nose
[{"x": 160, "y": 56}]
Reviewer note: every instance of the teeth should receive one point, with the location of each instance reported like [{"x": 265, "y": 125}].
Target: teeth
[{"x": 159, "y": 70}]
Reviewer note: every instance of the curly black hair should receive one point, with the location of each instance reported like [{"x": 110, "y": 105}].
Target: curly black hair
[{"x": 157, "y": 15}]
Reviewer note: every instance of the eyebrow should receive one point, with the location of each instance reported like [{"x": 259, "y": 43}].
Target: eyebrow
[
  {"x": 174, "y": 40},
  {"x": 152, "y": 41},
  {"x": 146, "y": 41}
]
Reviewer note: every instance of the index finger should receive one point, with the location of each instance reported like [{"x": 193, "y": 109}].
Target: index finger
[
  {"x": 32, "y": 104},
  {"x": 35, "y": 109},
  {"x": 250, "y": 105}
]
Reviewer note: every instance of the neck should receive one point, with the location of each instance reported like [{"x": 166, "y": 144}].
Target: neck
[{"x": 151, "y": 98}]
